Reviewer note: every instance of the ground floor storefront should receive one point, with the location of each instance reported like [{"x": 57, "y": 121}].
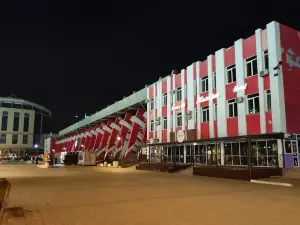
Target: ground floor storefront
[{"x": 273, "y": 150}]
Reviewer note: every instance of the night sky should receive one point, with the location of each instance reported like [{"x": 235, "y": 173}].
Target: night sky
[{"x": 77, "y": 57}]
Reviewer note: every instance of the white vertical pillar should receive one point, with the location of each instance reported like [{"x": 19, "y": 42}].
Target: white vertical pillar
[
  {"x": 169, "y": 118},
  {"x": 183, "y": 90},
  {"x": 260, "y": 67},
  {"x": 155, "y": 107},
  {"x": 221, "y": 89},
  {"x": 159, "y": 109},
  {"x": 210, "y": 93},
  {"x": 190, "y": 95},
  {"x": 198, "y": 95},
  {"x": 222, "y": 153},
  {"x": 174, "y": 102},
  {"x": 240, "y": 80},
  {"x": 148, "y": 113},
  {"x": 276, "y": 82}
]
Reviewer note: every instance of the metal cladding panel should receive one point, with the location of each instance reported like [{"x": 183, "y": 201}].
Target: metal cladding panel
[{"x": 137, "y": 97}]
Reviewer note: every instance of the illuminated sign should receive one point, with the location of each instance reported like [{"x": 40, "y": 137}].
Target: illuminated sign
[
  {"x": 240, "y": 88},
  {"x": 205, "y": 99},
  {"x": 175, "y": 107}
]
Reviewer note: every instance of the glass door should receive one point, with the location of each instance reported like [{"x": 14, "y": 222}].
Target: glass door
[{"x": 214, "y": 154}]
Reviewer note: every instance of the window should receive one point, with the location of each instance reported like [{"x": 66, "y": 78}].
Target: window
[
  {"x": 269, "y": 106},
  {"x": 195, "y": 87},
  {"x": 266, "y": 60},
  {"x": 200, "y": 154},
  {"x": 165, "y": 99},
  {"x": 4, "y": 121},
  {"x": 3, "y": 139},
  {"x": 25, "y": 139},
  {"x": 232, "y": 108},
  {"x": 251, "y": 66},
  {"x": 205, "y": 114},
  {"x": 152, "y": 104},
  {"x": 215, "y": 111},
  {"x": 179, "y": 119},
  {"x": 196, "y": 116},
  {"x": 165, "y": 124},
  {"x": 16, "y": 121},
  {"x": 214, "y": 80},
  {"x": 152, "y": 125},
  {"x": 185, "y": 92},
  {"x": 231, "y": 74},
  {"x": 178, "y": 94},
  {"x": 253, "y": 103},
  {"x": 26, "y": 122},
  {"x": 204, "y": 83},
  {"x": 14, "y": 139}
]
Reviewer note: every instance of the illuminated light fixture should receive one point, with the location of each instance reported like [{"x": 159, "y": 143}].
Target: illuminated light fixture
[
  {"x": 53, "y": 150},
  {"x": 194, "y": 143},
  {"x": 81, "y": 145},
  {"x": 36, "y": 146},
  {"x": 118, "y": 138},
  {"x": 64, "y": 148}
]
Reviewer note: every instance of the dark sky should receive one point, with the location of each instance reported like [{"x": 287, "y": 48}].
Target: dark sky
[{"x": 79, "y": 56}]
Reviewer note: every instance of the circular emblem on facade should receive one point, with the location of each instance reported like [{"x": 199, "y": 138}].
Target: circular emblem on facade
[{"x": 180, "y": 136}]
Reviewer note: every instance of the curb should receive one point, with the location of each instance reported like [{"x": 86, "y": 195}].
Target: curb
[{"x": 271, "y": 183}]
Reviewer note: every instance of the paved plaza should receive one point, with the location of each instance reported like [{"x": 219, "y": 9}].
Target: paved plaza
[{"x": 93, "y": 195}]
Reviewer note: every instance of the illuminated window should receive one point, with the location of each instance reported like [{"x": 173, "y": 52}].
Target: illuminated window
[
  {"x": 204, "y": 84},
  {"x": 205, "y": 114},
  {"x": 251, "y": 66},
  {"x": 232, "y": 108},
  {"x": 253, "y": 103},
  {"x": 179, "y": 119},
  {"x": 231, "y": 74}
]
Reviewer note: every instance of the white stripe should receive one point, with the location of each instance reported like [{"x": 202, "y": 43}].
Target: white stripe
[
  {"x": 124, "y": 123},
  {"x": 210, "y": 93},
  {"x": 276, "y": 82},
  {"x": 221, "y": 89},
  {"x": 138, "y": 121},
  {"x": 145, "y": 115},
  {"x": 198, "y": 94},
  {"x": 106, "y": 128},
  {"x": 100, "y": 131},
  {"x": 169, "y": 120},
  {"x": 94, "y": 132},
  {"x": 240, "y": 80},
  {"x": 261, "y": 91},
  {"x": 173, "y": 102},
  {"x": 115, "y": 126},
  {"x": 140, "y": 135},
  {"x": 182, "y": 101},
  {"x": 88, "y": 134},
  {"x": 271, "y": 183},
  {"x": 190, "y": 95}
]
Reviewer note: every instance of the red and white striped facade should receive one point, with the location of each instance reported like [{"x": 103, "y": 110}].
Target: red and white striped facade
[
  {"x": 268, "y": 47},
  {"x": 116, "y": 139}
]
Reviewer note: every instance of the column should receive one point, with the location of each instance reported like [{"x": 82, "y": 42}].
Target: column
[
  {"x": 210, "y": 93},
  {"x": 169, "y": 101},
  {"x": 190, "y": 95},
  {"x": 276, "y": 82},
  {"x": 183, "y": 94},
  {"x": 198, "y": 95},
  {"x": 240, "y": 80},
  {"x": 148, "y": 113},
  {"x": 262, "y": 94},
  {"x": 221, "y": 89},
  {"x": 222, "y": 153}
]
